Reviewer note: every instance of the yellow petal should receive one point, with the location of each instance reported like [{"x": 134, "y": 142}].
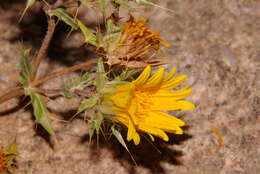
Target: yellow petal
[
  {"x": 131, "y": 130},
  {"x": 170, "y": 75},
  {"x": 132, "y": 109},
  {"x": 136, "y": 138},
  {"x": 155, "y": 80},
  {"x": 143, "y": 76},
  {"x": 168, "y": 103},
  {"x": 121, "y": 117},
  {"x": 175, "y": 95},
  {"x": 176, "y": 130},
  {"x": 157, "y": 132},
  {"x": 174, "y": 82},
  {"x": 162, "y": 120},
  {"x": 121, "y": 99}
]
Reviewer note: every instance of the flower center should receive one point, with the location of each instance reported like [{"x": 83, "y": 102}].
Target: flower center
[{"x": 144, "y": 101}]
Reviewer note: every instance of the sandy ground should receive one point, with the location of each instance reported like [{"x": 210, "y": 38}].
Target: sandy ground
[{"x": 216, "y": 43}]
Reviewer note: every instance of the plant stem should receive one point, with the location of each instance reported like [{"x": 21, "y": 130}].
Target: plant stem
[
  {"x": 64, "y": 71},
  {"x": 44, "y": 47},
  {"x": 16, "y": 92}
]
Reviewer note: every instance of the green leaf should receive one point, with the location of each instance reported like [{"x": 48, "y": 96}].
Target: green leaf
[
  {"x": 87, "y": 76},
  {"x": 127, "y": 74},
  {"x": 40, "y": 111},
  {"x": 95, "y": 124},
  {"x": 89, "y": 36},
  {"x": 100, "y": 65},
  {"x": 121, "y": 140},
  {"x": 103, "y": 4},
  {"x": 26, "y": 68},
  {"x": 87, "y": 103},
  {"x": 11, "y": 149},
  {"x": 62, "y": 15},
  {"x": 100, "y": 75},
  {"x": 143, "y": 2},
  {"x": 119, "y": 137},
  {"x": 85, "y": 81}
]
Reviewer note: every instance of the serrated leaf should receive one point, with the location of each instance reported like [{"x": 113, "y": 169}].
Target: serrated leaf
[
  {"x": 123, "y": 4},
  {"x": 40, "y": 111},
  {"x": 103, "y": 4},
  {"x": 87, "y": 104},
  {"x": 119, "y": 138},
  {"x": 143, "y": 2},
  {"x": 62, "y": 15},
  {"x": 89, "y": 36}
]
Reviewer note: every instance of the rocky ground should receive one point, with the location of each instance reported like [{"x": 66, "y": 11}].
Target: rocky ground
[{"x": 216, "y": 43}]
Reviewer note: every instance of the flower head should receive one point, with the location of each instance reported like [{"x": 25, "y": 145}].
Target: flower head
[
  {"x": 136, "y": 45},
  {"x": 139, "y": 104}
]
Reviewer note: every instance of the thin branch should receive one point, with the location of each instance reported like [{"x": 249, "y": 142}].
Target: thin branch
[
  {"x": 64, "y": 71},
  {"x": 44, "y": 47},
  {"x": 16, "y": 92}
]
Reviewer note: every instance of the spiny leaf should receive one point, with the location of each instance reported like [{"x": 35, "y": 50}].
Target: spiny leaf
[
  {"x": 95, "y": 124},
  {"x": 62, "y": 15},
  {"x": 29, "y": 3},
  {"x": 101, "y": 76},
  {"x": 121, "y": 140},
  {"x": 100, "y": 65},
  {"x": 40, "y": 110},
  {"x": 12, "y": 150},
  {"x": 98, "y": 121},
  {"x": 119, "y": 137},
  {"x": 127, "y": 74},
  {"x": 89, "y": 36},
  {"x": 87, "y": 103},
  {"x": 85, "y": 81},
  {"x": 26, "y": 68},
  {"x": 87, "y": 77}
]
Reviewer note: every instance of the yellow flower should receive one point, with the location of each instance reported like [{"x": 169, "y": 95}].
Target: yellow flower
[{"x": 138, "y": 104}]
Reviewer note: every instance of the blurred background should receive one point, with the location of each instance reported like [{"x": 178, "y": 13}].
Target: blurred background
[{"x": 216, "y": 43}]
